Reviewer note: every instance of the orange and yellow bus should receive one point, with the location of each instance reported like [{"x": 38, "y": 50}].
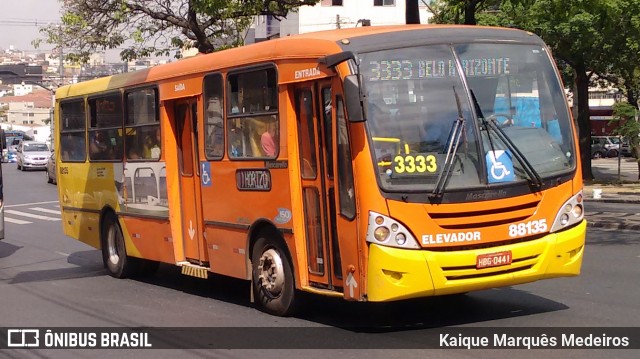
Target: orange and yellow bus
[{"x": 374, "y": 164}]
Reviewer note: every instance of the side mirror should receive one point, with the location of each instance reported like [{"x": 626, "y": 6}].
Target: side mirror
[{"x": 355, "y": 99}]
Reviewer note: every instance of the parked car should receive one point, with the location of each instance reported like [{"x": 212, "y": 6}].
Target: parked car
[
  {"x": 32, "y": 154},
  {"x": 604, "y": 146},
  {"x": 51, "y": 168},
  {"x": 625, "y": 148}
]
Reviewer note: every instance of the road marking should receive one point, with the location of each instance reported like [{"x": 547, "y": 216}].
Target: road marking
[
  {"x": 30, "y": 215},
  {"x": 30, "y": 204},
  {"x": 39, "y": 209},
  {"x": 16, "y": 221}
]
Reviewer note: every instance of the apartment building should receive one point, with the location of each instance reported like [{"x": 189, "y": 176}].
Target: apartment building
[
  {"x": 32, "y": 109},
  {"x": 334, "y": 14}
]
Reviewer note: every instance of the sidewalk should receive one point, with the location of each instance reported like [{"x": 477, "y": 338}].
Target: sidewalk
[
  {"x": 613, "y": 188},
  {"x": 610, "y": 187}
]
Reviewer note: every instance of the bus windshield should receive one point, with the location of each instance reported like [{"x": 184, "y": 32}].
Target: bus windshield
[{"x": 417, "y": 97}]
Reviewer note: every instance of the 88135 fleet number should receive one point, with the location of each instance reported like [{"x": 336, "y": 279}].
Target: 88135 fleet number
[{"x": 528, "y": 228}]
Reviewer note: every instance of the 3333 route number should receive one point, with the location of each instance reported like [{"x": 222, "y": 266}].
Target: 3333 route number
[{"x": 407, "y": 164}]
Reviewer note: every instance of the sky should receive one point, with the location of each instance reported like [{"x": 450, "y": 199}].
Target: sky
[{"x": 20, "y": 21}]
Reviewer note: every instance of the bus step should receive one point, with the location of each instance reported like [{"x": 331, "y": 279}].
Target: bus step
[{"x": 194, "y": 270}]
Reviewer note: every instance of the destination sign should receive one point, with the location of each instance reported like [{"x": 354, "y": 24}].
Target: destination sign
[
  {"x": 253, "y": 180},
  {"x": 411, "y": 69}
]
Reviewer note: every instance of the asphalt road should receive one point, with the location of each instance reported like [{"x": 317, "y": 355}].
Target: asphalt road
[{"x": 49, "y": 280}]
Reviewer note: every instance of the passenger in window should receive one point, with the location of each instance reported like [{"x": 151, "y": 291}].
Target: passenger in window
[
  {"x": 268, "y": 139},
  {"x": 99, "y": 147},
  {"x": 133, "y": 154},
  {"x": 151, "y": 147},
  {"x": 72, "y": 148}
]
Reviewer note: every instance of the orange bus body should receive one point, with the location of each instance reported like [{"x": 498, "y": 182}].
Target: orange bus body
[{"x": 294, "y": 220}]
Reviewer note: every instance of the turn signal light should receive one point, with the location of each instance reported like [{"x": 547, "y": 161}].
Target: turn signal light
[{"x": 381, "y": 234}]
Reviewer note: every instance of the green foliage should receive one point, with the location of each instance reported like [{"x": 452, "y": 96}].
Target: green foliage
[
  {"x": 625, "y": 124},
  {"x": 469, "y": 12},
  {"x": 143, "y": 28}
]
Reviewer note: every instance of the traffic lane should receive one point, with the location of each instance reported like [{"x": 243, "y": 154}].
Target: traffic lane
[
  {"x": 26, "y": 187},
  {"x": 222, "y": 302},
  {"x": 258, "y": 353},
  {"x": 76, "y": 285},
  {"x": 616, "y": 216},
  {"x": 606, "y": 291},
  {"x": 160, "y": 300},
  {"x": 36, "y": 274}
]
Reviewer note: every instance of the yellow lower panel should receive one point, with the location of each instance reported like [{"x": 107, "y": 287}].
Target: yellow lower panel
[
  {"x": 83, "y": 226},
  {"x": 396, "y": 274}
]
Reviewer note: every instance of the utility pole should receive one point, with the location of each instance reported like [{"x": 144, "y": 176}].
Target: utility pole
[{"x": 61, "y": 67}]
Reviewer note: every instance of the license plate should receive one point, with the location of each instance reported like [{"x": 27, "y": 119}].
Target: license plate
[{"x": 493, "y": 259}]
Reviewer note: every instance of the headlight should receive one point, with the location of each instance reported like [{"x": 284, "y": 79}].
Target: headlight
[
  {"x": 381, "y": 234},
  {"x": 386, "y": 231},
  {"x": 571, "y": 212}
]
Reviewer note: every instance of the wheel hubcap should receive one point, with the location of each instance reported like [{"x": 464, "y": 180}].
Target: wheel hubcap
[
  {"x": 112, "y": 245},
  {"x": 271, "y": 272}
]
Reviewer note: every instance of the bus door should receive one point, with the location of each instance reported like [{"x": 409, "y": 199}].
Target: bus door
[
  {"x": 4, "y": 145},
  {"x": 185, "y": 114},
  {"x": 323, "y": 224},
  {"x": 1, "y": 201}
]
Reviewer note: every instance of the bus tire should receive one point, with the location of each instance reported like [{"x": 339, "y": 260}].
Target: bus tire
[
  {"x": 272, "y": 278},
  {"x": 114, "y": 252}
]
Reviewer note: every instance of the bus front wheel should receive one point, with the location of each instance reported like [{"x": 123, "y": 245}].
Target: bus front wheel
[
  {"x": 273, "y": 283},
  {"x": 114, "y": 252}
]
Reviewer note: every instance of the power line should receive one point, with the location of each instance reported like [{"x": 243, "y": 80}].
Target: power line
[{"x": 28, "y": 22}]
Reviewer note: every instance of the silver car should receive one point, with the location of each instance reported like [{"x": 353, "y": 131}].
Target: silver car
[
  {"x": 51, "y": 168},
  {"x": 32, "y": 154}
]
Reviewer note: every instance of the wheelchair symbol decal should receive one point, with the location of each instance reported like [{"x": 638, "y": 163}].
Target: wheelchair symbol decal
[
  {"x": 206, "y": 174},
  {"x": 500, "y": 166}
]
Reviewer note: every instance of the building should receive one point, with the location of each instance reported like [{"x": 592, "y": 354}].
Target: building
[
  {"x": 335, "y": 14},
  {"x": 33, "y": 109},
  {"x": 601, "y": 101}
]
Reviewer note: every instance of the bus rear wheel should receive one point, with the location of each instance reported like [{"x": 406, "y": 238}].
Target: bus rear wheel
[
  {"x": 114, "y": 252},
  {"x": 273, "y": 281}
]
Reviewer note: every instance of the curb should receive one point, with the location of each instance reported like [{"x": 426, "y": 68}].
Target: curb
[
  {"x": 613, "y": 200},
  {"x": 613, "y": 225}
]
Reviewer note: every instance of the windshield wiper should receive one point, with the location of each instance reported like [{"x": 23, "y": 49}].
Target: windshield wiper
[
  {"x": 491, "y": 124},
  {"x": 453, "y": 142},
  {"x": 533, "y": 175}
]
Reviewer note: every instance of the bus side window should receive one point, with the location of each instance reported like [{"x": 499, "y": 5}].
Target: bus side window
[
  {"x": 252, "y": 121},
  {"x": 142, "y": 125},
  {"x": 105, "y": 127},
  {"x": 345, "y": 169},
  {"x": 214, "y": 128},
  {"x": 72, "y": 131}
]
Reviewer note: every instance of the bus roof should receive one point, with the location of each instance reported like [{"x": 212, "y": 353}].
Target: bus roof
[{"x": 303, "y": 46}]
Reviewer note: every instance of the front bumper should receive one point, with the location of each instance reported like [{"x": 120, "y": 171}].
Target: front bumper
[
  {"x": 395, "y": 274},
  {"x": 34, "y": 164}
]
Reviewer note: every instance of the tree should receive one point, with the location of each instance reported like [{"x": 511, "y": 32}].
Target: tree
[
  {"x": 157, "y": 27},
  {"x": 581, "y": 35},
  {"x": 625, "y": 120},
  {"x": 624, "y": 70},
  {"x": 462, "y": 11}
]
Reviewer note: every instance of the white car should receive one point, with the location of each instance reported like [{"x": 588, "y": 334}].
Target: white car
[
  {"x": 32, "y": 154},
  {"x": 51, "y": 168}
]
